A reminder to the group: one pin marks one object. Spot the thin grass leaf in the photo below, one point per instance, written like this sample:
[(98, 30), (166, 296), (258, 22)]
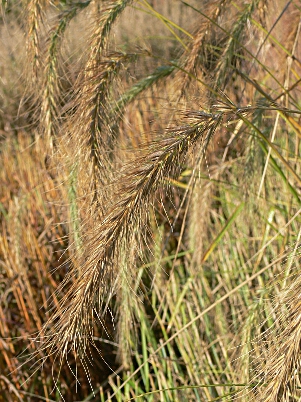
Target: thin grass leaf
[(145, 83), (222, 233)]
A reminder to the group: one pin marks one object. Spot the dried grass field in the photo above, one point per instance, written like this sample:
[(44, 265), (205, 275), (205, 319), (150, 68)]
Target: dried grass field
[(150, 200)]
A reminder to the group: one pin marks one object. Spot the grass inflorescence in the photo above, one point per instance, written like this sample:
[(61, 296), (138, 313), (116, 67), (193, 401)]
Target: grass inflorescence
[(150, 200)]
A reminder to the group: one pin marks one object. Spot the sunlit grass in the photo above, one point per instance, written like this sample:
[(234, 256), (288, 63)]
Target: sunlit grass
[(150, 201)]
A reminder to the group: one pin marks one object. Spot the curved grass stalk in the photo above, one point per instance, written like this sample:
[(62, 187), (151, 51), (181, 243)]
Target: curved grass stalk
[(165, 19), (234, 40), (168, 23), (110, 11), (73, 328), (51, 98), (89, 132), (239, 43), (213, 11), (90, 117), (145, 83), (35, 10)]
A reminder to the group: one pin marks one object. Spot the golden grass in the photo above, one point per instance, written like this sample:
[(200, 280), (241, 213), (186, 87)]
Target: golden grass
[(150, 201)]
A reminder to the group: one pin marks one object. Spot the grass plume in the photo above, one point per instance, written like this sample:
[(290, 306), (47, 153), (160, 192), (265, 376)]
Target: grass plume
[(136, 187), (148, 200)]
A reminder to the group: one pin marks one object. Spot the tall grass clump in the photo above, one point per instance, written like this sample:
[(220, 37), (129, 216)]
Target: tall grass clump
[(150, 200)]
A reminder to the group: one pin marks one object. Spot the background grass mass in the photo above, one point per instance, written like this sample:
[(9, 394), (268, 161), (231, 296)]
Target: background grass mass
[(150, 202)]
